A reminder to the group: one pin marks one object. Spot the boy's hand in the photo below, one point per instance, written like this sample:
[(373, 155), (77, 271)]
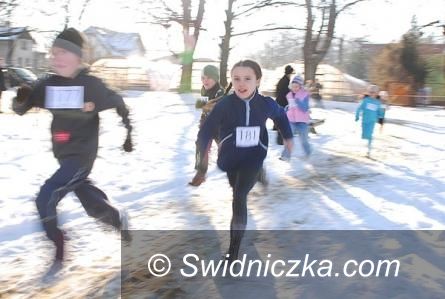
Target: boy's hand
[(88, 107), (23, 93), (209, 106)]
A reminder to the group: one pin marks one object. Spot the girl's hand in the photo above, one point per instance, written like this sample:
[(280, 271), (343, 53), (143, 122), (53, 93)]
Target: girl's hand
[(289, 144)]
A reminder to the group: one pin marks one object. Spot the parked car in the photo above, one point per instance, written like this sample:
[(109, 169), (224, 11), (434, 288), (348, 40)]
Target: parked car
[(15, 76)]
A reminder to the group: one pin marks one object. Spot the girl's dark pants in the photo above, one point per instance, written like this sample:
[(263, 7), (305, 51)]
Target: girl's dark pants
[(241, 181), (73, 176)]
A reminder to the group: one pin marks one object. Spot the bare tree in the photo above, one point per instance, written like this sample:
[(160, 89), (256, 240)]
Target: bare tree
[(247, 9), (317, 43), (68, 13), (279, 50), (82, 11), (190, 29), (7, 8), (165, 13)]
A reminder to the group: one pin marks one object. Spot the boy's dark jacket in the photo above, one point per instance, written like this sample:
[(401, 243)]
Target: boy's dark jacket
[(282, 90), (75, 132), (230, 113)]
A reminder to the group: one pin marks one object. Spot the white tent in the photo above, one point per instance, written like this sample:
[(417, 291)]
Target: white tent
[(335, 82)]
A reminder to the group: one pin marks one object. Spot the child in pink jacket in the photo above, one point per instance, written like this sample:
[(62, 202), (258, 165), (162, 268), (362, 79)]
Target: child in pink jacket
[(298, 115)]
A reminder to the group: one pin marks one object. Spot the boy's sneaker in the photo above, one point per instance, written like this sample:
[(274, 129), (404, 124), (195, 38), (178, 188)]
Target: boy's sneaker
[(59, 242), (283, 158), (125, 233), (197, 180)]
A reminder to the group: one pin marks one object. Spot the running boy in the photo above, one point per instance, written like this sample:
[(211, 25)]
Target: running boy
[(74, 98), (213, 91)]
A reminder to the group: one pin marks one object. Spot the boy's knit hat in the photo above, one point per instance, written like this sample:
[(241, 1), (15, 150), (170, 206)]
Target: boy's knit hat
[(297, 79), (71, 40), (211, 71), (288, 70)]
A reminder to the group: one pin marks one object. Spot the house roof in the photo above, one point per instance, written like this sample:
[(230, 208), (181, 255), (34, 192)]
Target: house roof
[(117, 43), (13, 33)]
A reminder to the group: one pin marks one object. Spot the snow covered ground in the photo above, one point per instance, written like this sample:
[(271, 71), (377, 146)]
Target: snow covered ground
[(402, 187)]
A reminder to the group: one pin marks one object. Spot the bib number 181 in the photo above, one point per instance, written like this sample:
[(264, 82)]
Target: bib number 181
[(247, 136)]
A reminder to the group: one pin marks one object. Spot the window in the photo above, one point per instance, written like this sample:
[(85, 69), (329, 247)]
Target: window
[(20, 61), (24, 45)]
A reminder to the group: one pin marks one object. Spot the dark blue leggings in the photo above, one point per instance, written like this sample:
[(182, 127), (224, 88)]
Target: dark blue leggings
[(73, 176), (241, 181)]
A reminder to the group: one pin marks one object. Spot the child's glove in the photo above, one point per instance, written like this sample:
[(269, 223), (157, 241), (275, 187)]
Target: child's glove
[(208, 106), (23, 93), (200, 103)]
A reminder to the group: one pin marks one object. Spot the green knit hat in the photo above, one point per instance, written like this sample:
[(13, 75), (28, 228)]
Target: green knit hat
[(211, 71)]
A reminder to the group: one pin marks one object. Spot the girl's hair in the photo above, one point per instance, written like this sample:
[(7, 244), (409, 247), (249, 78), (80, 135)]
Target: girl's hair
[(252, 64)]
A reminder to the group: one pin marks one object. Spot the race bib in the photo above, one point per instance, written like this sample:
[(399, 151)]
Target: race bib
[(247, 136), (64, 97), (371, 106)]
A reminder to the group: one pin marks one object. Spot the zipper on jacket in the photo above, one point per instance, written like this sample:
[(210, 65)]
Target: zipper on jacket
[(225, 138), (247, 102)]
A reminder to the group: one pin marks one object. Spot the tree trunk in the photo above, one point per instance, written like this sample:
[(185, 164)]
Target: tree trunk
[(308, 47), (225, 45), (186, 78), (316, 46), (189, 42)]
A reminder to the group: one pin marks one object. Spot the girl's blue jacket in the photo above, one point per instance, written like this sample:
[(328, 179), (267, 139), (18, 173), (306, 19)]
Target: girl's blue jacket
[(232, 112)]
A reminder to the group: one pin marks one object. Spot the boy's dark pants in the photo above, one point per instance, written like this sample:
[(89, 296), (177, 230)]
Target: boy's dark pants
[(72, 176)]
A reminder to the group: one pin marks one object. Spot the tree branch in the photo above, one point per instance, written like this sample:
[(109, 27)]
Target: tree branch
[(267, 3), (268, 29), (346, 6)]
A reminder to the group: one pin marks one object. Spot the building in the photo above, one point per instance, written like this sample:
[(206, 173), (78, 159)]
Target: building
[(105, 43), (16, 46)]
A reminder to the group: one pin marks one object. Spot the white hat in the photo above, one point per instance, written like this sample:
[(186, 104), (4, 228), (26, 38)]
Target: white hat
[(383, 94), (372, 89)]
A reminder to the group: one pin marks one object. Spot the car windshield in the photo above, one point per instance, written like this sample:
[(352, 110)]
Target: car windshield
[(24, 73)]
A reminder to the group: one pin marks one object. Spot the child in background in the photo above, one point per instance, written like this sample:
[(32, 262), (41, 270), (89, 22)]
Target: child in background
[(370, 110), (298, 115), (282, 89), (214, 92)]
